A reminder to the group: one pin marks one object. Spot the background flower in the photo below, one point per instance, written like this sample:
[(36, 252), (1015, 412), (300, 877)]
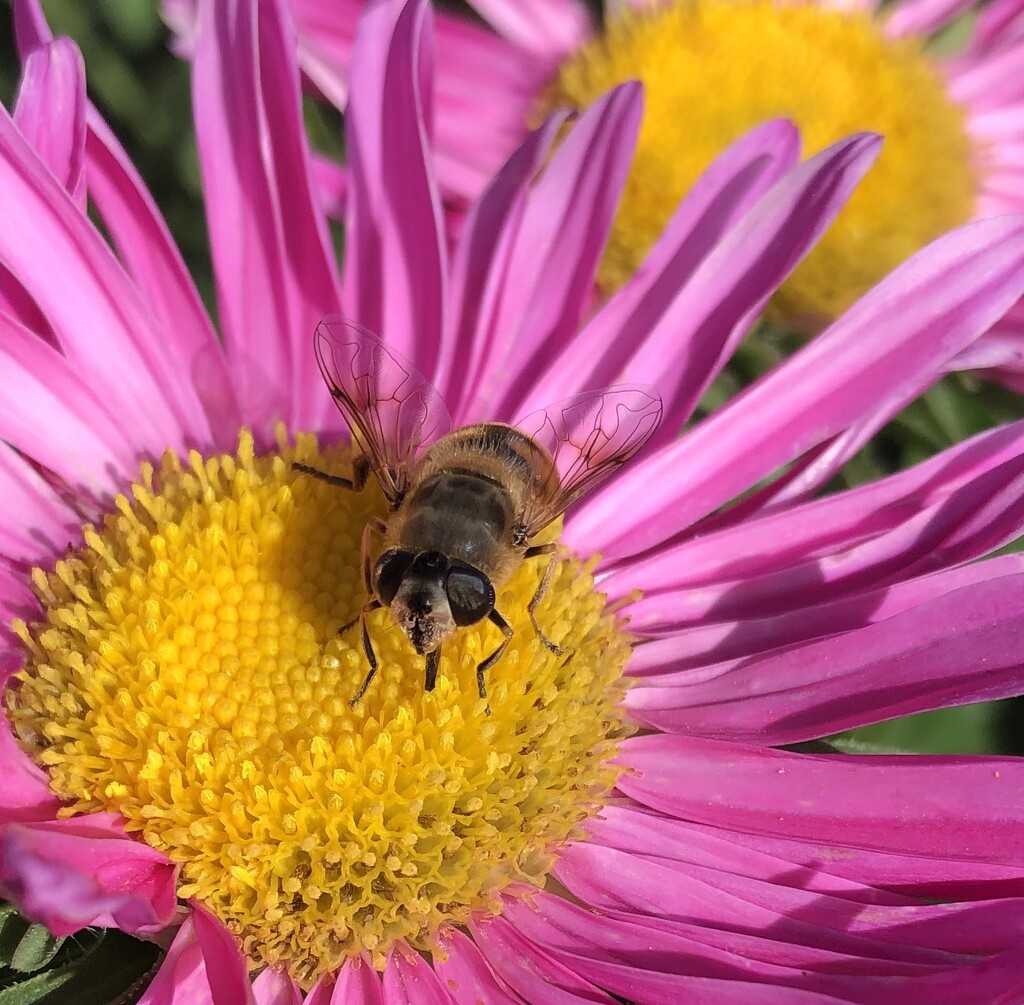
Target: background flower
[(779, 619)]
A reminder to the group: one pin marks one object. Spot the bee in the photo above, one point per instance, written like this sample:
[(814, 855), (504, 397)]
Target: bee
[(466, 505)]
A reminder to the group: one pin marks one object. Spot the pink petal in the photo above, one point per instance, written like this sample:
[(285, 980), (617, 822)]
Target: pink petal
[(765, 544), (410, 980), (898, 334), (275, 987), (95, 312), (67, 874), (271, 253), (395, 263), (963, 647), (41, 392), (858, 874), (469, 978), (687, 347), (480, 267), (37, 523), (956, 807), (356, 983), (711, 640), (50, 112), (549, 28), (202, 967), (537, 977), (922, 17), (557, 248), (25, 794)]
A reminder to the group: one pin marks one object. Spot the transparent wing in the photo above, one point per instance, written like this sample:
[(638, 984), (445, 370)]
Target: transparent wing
[(589, 437), (391, 408)]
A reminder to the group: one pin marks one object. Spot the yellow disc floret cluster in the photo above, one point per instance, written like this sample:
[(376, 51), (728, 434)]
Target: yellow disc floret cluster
[(189, 675), (713, 69)]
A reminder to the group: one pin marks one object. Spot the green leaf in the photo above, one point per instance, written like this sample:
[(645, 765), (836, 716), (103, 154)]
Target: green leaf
[(36, 948)]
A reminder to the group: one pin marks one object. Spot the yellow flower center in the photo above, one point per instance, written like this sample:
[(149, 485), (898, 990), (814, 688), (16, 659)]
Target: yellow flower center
[(189, 675), (713, 69)]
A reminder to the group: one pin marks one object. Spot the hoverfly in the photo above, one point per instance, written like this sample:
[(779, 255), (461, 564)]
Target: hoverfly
[(466, 504)]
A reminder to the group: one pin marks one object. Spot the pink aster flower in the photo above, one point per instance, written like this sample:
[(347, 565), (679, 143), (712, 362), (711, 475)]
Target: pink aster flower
[(951, 112), (179, 752)]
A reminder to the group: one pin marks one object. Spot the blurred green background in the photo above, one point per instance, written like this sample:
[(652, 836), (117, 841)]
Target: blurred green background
[(143, 91)]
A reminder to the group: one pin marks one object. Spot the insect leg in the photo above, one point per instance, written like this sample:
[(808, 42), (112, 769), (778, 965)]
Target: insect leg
[(360, 472), (371, 656), (495, 619), (542, 588), (433, 659)]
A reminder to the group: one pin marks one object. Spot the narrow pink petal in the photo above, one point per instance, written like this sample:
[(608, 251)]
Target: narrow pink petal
[(922, 17), (854, 874), (67, 874), (557, 248), (203, 967), (410, 980), (480, 267), (765, 544), (395, 263), (37, 523), (549, 28), (975, 520), (271, 253), (25, 794), (905, 329), (996, 22), (711, 640), (102, 324), (356, 983), (537, 977), (149, 254), (469, 978), (791, 953), (41, 392), (50, 112), (721, 196), (957, 807), (687, 348), (275, 987), (963, 647)]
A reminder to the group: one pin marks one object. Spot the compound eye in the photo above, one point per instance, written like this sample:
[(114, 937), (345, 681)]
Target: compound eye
[(389, 572), (470, 594)]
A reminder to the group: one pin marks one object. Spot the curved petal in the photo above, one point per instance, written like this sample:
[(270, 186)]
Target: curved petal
[(858, 874), (68, 874), (537, 977), (25, 794), (275, 987), (710, 641), (900, 333), (956, 807), (963, 647), (548, 28), (102, 325), (480, 266), (688, 346), (556, 250), (356, 983), (203, 967), (722, 195), (50, 112), (395, 262), (274, 269), (42, 391), (469, 978), (410, 980)]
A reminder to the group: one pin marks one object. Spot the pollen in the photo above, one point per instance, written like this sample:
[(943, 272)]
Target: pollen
[(713, 69), (188, 673)]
